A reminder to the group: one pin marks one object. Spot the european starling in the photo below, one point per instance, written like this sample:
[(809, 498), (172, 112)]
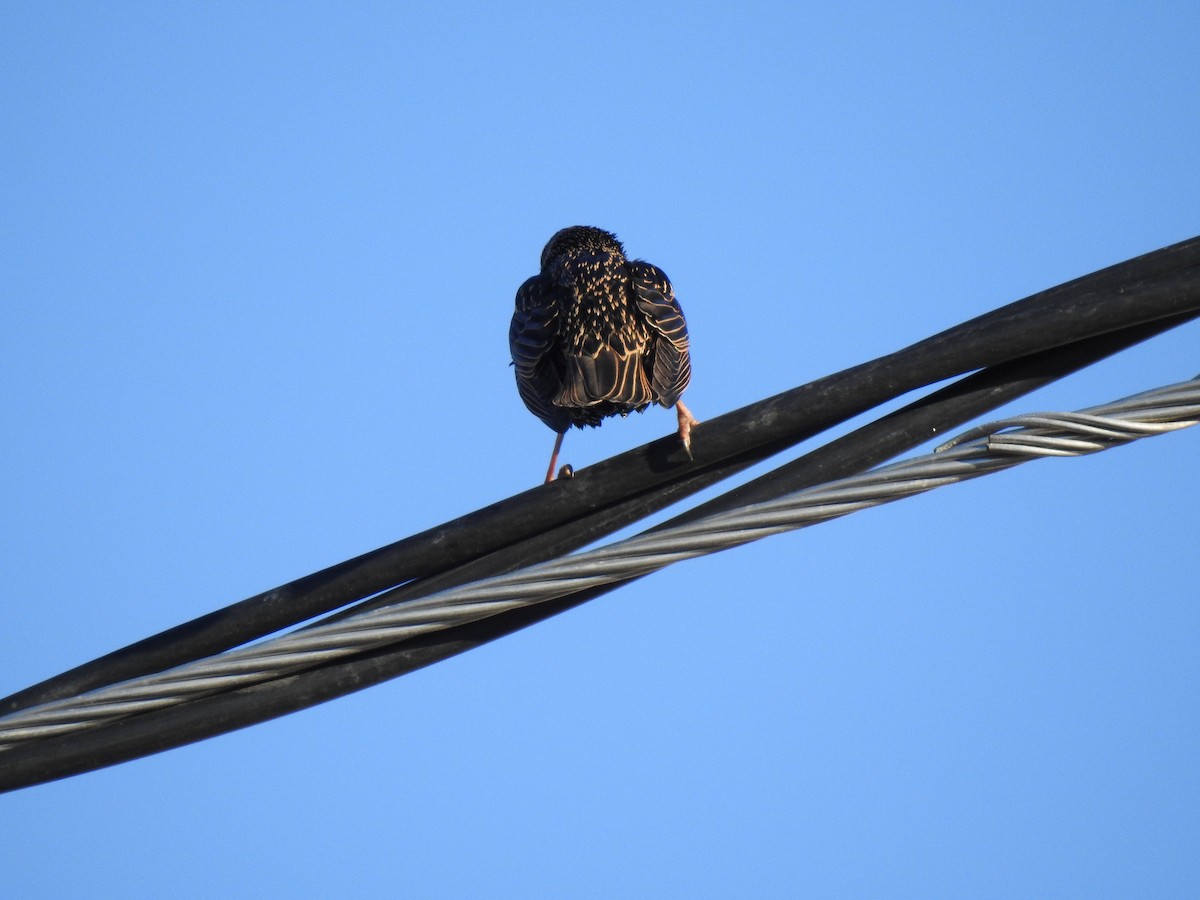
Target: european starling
[(597, 335)]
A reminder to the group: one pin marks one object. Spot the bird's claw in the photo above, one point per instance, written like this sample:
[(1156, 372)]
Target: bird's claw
[(686, 421)]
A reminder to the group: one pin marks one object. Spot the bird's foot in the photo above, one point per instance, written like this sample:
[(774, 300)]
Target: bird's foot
[(686, 421)]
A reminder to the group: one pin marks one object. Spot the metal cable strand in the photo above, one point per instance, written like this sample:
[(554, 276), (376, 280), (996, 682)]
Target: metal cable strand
[(980, 451)]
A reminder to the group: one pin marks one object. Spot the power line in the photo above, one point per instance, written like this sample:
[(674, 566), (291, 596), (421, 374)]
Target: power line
[(1107, 310), (980, 451), (1009, 353)]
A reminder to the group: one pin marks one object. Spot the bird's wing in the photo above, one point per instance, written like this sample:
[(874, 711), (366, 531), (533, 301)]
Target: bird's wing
[(532, 334), (672, 361)]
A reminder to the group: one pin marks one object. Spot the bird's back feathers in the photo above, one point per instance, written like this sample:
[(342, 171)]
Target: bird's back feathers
[(595, 335)]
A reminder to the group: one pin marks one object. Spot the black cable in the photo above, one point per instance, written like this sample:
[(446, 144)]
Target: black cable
[(868, 446), (650, 477), (1161, 284), (646, 471)]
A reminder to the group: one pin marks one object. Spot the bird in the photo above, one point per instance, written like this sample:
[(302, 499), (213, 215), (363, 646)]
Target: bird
[(595, 335)]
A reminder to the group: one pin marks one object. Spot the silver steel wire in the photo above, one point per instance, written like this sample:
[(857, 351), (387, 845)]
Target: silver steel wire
[(979, 451)]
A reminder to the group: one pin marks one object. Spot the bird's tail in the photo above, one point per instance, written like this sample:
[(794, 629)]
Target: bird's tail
[(604, 377)]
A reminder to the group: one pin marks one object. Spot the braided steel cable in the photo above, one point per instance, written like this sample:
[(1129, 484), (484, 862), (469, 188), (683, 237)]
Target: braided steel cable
[(982, 450)]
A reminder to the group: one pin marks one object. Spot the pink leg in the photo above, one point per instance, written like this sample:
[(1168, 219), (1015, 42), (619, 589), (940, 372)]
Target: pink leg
[(554, 457)]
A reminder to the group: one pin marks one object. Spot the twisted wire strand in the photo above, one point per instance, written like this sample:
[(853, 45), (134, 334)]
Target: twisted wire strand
[(982, 450)]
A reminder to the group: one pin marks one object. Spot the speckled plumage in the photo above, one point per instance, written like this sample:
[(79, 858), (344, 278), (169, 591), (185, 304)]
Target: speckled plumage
[(596, 335)]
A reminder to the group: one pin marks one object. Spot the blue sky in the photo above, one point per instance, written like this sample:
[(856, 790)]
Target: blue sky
[(256, 269)]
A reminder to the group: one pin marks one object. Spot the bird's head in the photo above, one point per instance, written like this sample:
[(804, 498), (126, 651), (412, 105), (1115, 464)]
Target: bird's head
[(580, 237)]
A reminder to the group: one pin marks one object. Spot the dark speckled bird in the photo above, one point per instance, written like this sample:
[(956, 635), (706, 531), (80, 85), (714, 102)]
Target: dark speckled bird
[(597, 335)]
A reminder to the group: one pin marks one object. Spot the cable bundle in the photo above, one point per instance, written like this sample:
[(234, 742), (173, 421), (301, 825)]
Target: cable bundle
[(1010, 352)]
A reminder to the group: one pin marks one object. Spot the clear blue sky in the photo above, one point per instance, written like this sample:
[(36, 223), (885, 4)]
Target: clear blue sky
[(257, 263)]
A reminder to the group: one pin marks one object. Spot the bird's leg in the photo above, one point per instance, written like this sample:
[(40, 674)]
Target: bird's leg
[(554, 457), (686, 421)]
